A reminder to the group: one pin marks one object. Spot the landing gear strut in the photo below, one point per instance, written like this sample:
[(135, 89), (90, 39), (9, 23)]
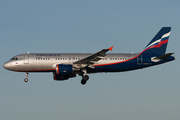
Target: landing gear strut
[(26, 79)]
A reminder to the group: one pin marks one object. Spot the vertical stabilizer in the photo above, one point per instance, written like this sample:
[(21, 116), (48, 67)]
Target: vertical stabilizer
[(158, 44)]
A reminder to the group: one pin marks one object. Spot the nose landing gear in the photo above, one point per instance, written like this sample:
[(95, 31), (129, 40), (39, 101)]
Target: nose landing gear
[(26, 79)]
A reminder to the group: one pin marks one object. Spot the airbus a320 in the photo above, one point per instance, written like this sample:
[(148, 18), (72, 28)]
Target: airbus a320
[(65, 66)]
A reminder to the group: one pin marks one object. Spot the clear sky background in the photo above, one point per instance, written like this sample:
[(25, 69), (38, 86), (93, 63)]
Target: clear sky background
[(81, 26)]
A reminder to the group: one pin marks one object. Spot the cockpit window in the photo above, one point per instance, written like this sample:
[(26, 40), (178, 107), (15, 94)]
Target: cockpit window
[(13, 59)]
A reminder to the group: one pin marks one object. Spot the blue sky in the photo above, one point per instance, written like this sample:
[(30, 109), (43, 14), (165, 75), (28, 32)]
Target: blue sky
[(69, 26)]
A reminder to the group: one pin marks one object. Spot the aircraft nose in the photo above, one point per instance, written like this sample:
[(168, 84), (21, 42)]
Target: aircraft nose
[(6, 65)]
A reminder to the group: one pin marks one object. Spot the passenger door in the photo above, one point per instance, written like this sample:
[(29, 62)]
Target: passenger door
[(26, 59)]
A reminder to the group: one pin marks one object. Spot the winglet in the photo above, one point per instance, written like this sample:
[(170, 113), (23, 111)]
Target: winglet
[(111, 48)]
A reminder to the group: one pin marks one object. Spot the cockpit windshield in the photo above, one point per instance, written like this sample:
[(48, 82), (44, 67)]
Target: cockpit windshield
[(13, 59)]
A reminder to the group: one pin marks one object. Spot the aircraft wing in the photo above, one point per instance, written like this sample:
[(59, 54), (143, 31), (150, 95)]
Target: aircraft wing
[(92, 59)]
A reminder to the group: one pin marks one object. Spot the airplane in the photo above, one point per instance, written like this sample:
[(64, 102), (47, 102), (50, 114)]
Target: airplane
[(65, 66)]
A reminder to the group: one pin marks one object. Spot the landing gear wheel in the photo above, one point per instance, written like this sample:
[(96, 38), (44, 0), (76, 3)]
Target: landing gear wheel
[(25, 80), (85, 79), (83, 82)]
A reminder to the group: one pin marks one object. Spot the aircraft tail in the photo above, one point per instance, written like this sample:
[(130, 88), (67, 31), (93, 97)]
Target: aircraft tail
[(158, 44)]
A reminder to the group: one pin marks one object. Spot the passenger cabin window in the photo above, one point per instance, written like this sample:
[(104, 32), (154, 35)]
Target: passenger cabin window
[(39, 58)]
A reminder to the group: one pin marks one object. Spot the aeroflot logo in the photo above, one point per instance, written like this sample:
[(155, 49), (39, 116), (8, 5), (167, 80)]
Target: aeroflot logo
[(47, 54)]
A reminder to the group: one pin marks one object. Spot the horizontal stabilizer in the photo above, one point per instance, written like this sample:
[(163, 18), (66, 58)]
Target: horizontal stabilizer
[(164, 56)]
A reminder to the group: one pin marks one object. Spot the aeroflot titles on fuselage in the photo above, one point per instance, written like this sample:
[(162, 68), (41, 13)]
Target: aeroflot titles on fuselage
[(47, 54)]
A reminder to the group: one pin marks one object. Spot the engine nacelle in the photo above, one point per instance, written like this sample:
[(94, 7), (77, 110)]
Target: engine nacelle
[(63, 69), (63, 77), (64, 72)]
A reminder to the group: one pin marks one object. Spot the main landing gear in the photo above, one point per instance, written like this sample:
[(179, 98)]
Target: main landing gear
[(26, 79), (85, 77)]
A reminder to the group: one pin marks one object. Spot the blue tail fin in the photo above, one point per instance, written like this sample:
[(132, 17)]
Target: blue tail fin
[(158, 44)]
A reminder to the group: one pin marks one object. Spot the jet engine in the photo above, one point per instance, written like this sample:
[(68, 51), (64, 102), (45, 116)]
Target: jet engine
[(63, 72)]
